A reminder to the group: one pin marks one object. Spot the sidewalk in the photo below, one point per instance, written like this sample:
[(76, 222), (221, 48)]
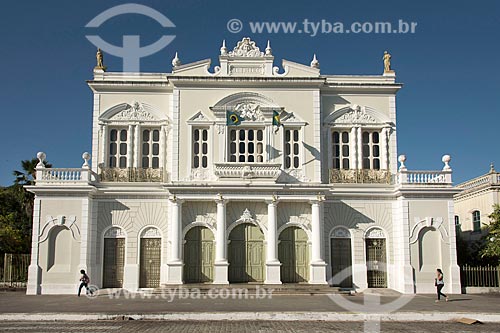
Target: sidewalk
[(18, 306)]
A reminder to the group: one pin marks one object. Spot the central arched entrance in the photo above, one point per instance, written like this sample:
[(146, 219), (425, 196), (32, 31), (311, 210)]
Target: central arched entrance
[(246, 254), (293, 253), (199, 255)]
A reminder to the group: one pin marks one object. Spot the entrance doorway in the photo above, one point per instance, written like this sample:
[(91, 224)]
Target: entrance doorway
[(199, 255), (293, 253), (246, 254)]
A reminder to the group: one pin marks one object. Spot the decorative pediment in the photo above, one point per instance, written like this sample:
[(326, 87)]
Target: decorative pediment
[(291, 118), (198, 117), (249, 111), (356, 114), (246, 48), (135, 111), (251, 106)]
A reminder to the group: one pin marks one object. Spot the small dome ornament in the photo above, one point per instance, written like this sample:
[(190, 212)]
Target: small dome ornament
[(315, 62), (269, 51), (446, 160), (176, 62), (223, 49)]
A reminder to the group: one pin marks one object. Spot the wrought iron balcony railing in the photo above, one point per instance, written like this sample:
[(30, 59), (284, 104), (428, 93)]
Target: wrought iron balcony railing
[(133, 175), (362, 176)]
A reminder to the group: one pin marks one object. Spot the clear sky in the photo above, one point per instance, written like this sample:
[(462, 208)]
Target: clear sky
[(449, 67)]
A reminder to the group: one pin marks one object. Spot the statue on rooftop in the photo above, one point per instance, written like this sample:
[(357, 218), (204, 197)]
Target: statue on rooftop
[(100, 60), (387, 62)]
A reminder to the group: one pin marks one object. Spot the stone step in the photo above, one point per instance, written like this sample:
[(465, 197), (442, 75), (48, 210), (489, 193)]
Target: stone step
[(250, 288)]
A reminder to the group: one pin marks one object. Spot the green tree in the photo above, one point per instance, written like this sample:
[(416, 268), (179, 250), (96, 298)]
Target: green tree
[(491, 247)]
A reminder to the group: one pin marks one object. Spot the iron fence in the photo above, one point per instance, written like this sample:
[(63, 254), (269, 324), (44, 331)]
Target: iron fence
[(480, 276), (14, 269)]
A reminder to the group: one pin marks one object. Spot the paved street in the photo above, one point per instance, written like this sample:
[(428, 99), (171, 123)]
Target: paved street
[(18, 302), (234, 326)]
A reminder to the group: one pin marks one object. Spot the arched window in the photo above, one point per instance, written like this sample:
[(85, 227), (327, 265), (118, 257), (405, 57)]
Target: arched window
[(476, 221)]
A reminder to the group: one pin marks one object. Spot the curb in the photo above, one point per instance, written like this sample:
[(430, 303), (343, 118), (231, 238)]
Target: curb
[(266, 316)]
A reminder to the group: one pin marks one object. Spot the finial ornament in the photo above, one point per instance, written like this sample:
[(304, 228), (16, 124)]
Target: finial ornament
[(387, 62), (446, 160), (86, 157), (402, 160), (176, 61), (41, 158), (315, 62), (100, 60), (269, 51), (492, 168), (223, 49)]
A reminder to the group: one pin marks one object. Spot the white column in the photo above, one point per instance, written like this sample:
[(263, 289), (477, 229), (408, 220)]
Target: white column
[(353, 153), (104, 145), (34, 271), (318, 265), (384, 150), (359, 148), (272, 263), (163, 154), (137, 145), (130, 148), (175, 261), (454, 286), (221, 265)]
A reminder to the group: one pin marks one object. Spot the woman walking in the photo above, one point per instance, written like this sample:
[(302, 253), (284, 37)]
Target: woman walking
[(439, 283)]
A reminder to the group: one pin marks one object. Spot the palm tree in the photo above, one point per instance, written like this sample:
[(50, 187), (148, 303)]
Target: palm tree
[(28, 175)]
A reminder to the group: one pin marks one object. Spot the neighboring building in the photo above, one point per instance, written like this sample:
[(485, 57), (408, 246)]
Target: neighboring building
[(475, 203), (192, 181)]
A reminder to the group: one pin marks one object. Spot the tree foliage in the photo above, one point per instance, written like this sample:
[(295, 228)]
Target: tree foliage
[(16, 210), (491, 247)]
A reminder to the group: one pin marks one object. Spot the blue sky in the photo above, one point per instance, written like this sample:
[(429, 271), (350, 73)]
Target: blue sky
[(449, 67)]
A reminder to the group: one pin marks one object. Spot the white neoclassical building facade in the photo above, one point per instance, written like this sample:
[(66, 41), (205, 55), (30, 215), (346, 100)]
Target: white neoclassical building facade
[(244, 173)]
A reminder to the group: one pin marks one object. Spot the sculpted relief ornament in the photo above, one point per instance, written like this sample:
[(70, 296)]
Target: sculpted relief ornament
[(246, 48), (356, 114), (249, 111), (134, 112)]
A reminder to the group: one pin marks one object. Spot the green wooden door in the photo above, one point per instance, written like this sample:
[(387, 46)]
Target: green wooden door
[(114, 260), (293, 253), (199, 255), (341, 262), (150, 263), (246, 254)]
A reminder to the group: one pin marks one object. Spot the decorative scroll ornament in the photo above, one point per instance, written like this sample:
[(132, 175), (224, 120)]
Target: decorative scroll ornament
[(151, 232), (114, 232), (375, 233), (357, 114), (249, 111), (134, 112), (435, 222), (68, 222), (246, 48)]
